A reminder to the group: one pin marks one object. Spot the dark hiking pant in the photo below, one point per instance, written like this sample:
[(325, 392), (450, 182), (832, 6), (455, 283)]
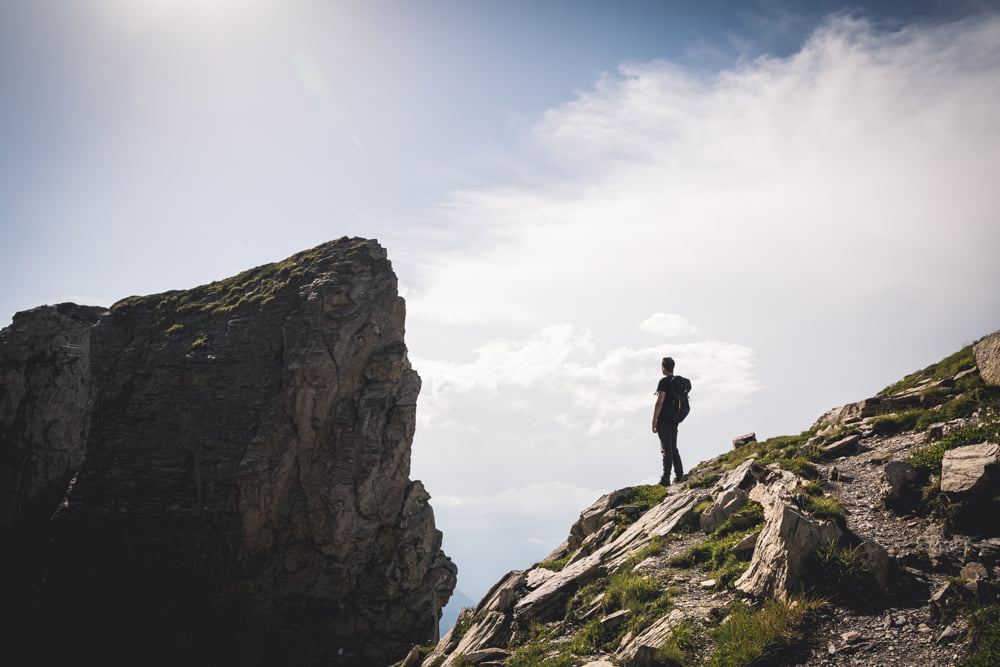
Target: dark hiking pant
[(668, 448)]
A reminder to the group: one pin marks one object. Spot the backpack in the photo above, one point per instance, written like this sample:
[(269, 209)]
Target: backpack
[(676, 407)]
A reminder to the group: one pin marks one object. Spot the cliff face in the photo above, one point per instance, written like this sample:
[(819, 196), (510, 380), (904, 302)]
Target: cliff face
[(221, 475), (870, 539)]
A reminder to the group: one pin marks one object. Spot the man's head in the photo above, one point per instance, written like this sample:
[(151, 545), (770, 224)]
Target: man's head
[(668, 365)]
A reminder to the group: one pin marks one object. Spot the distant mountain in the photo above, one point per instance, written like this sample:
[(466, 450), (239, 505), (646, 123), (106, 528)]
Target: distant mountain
[(870, 538), (449, 614)]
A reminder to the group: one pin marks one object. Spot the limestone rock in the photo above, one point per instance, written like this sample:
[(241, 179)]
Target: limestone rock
[(221, 469), (987, 353), (639, 651), (969, 469), (782, 551), (877, 562), (486, 654), (748, 543), (591, 519), (842, 446), (726, 504), (744, 440), (899, 490)]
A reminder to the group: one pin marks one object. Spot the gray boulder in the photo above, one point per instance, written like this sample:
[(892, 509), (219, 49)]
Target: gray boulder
[(987, 353), (727, 503), (969, 469), (899, 489)]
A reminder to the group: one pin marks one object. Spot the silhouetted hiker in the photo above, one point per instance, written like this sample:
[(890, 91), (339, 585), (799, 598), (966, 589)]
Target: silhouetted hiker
[(671, 408)]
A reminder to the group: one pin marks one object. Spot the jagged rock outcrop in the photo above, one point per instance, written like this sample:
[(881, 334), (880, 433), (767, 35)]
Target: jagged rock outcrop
[(220, 475)]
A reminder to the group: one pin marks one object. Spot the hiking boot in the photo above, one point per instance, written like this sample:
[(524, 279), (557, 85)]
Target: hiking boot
[(665, 480), (680, 478)]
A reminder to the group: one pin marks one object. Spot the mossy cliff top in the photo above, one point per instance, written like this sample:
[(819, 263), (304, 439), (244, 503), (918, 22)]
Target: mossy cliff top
[(259, 286)]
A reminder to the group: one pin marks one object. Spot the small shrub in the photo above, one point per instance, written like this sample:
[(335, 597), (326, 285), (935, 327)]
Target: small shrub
[(984, 630), (840, 571)]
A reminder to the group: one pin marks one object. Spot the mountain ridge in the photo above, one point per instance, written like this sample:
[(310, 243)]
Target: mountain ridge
[(868, 539)]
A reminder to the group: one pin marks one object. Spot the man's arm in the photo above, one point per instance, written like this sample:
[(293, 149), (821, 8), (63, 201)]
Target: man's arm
[(660, 395)]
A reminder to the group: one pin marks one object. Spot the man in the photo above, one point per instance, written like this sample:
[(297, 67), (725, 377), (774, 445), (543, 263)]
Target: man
[(666, 416)]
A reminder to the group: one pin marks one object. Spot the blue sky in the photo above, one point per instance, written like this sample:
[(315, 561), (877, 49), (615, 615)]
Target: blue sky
[(796, 200)]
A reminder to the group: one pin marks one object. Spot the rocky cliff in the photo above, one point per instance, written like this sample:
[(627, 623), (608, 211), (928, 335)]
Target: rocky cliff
[(219, 475), (870, 539)]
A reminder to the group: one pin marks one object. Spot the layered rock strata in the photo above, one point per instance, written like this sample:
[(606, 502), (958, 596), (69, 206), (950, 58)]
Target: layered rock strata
[(221, 475)]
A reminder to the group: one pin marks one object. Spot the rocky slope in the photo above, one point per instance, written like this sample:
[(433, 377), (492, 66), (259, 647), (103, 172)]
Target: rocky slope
[(870, 539), (220, 475)]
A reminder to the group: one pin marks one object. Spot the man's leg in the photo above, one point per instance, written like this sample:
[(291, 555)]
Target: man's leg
[(668, 449), (678, 466)]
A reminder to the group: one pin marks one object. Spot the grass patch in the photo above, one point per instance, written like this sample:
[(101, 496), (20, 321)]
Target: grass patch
[(627, 589), (889, 425), (840, 572), (809, 489), (956, 516), (948, 367), (680, 648), (715, 556), (825, 507), (752, 511), (752, 636), (930, 457), (799, 465), (646, 496), (653, 548), (555, 565), (592, 638), (253, 288), (984, 630), (543, 654), (704, 481), (200, 341)]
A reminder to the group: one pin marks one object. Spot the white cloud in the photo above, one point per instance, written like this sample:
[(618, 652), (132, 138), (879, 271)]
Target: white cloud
[(817, 179), (558, 367), (668, 325)]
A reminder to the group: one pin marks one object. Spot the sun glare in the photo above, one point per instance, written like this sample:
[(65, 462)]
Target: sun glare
[(141, 14)]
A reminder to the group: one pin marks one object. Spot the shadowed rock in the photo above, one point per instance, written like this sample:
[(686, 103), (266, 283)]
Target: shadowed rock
[(221, 475)]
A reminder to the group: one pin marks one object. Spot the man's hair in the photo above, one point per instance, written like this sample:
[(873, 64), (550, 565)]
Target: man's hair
[(668, 363)]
